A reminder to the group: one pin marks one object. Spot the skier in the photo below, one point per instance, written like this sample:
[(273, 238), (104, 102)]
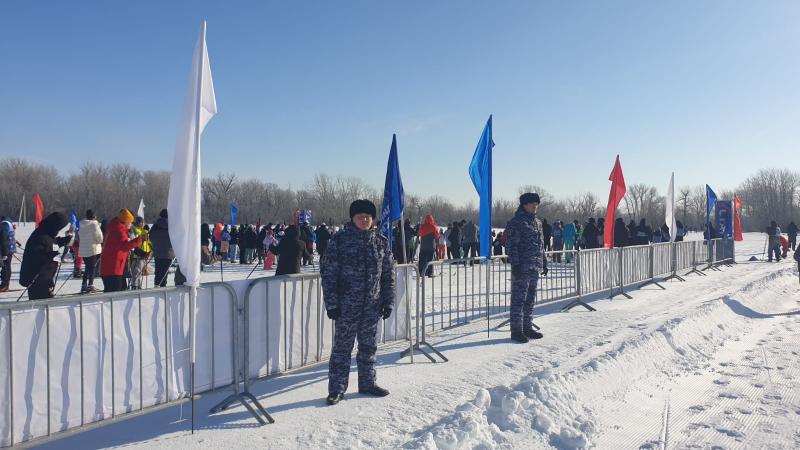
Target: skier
[(774, 241), (91, 247), (38, 267), (8, 247), (116, 246), (524, 248), (358, 282), (428, 235), (791, 230)]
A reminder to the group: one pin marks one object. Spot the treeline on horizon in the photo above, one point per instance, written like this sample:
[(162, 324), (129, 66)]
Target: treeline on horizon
[(769, 194)]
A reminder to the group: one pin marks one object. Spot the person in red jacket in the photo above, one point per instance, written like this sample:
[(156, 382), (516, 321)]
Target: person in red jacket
[(116, 247), (428, 235)]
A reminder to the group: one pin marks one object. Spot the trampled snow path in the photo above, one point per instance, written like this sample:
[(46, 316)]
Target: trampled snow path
[(708, 363)]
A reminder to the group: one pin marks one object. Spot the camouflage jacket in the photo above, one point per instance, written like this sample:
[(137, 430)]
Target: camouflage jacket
[(524, 242), (358, 266)]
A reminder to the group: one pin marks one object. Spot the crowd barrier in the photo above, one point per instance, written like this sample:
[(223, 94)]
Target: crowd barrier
[(71, 363)]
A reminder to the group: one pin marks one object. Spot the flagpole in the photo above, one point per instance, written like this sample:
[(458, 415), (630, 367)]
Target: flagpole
[(21, 208), (193, 288), (403, 238)]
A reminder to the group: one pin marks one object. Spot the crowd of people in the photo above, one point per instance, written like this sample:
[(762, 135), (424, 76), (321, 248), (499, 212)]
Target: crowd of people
[(357, 263), (122, 250)]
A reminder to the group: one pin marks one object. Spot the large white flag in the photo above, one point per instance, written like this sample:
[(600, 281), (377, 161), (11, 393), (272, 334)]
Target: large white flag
[(140, 212), (670, 213), (184, 184)]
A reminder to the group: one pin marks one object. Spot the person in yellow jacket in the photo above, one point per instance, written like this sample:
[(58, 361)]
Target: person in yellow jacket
[(140, 256)]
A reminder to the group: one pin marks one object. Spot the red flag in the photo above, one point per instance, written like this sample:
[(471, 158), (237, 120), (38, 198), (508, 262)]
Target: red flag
[(737, 219), (39, 209), (618, 190)]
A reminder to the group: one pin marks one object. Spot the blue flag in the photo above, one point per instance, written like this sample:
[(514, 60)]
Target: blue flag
[(711, 199), (480, 171), (73, 219), (234, 213), (394, 199)]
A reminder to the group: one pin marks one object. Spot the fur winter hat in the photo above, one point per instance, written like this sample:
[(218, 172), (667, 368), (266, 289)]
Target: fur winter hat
[(529, 197), (363, 207)]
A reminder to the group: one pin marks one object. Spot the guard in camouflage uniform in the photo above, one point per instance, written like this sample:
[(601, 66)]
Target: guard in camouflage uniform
[(525, 253), (358, 286)]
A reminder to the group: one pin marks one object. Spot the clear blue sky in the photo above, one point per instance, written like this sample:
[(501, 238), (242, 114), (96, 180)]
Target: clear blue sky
[(708, 89)]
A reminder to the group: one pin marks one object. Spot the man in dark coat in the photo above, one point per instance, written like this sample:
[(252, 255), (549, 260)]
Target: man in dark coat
[(643, 233), (454, 241), (358, 283), (163, 252), (524, 249), (38, 268), (791, 230), (620, 233), (323, 236), (547, 232), (289, 251), (590, 234)]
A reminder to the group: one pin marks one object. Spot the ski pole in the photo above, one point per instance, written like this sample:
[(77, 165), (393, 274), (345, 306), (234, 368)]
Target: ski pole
[(26, 288), (167, 272), (254, 269)]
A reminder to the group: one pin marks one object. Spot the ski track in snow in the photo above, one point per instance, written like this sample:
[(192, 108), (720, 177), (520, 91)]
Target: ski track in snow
[(709, 363)]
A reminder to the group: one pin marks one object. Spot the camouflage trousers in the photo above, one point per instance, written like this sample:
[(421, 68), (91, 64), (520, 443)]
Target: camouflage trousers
[(357, 321), (523, 297)]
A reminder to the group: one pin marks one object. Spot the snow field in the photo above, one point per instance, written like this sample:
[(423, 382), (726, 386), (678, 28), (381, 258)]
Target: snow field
[(706, 363)]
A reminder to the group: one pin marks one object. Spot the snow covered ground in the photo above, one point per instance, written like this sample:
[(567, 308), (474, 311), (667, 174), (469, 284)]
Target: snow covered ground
[(709, 363)]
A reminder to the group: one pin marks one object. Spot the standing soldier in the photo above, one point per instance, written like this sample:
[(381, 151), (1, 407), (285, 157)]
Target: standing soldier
[(524, 249), (358, 285)]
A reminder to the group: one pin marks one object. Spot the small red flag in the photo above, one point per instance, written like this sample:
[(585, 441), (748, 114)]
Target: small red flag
[(737, 219), (618, 190), (39, 209)]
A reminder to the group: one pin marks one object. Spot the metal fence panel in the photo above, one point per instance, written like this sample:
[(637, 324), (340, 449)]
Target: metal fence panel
[(663, 256), (684, 254), (636, 264), (68, 362)]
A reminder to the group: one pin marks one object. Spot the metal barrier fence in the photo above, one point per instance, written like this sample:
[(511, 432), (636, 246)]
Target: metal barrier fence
[(71, 362), (286, 326)]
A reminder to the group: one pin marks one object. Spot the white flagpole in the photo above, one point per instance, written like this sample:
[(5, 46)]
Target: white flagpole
[(21, 209), (193, 289)]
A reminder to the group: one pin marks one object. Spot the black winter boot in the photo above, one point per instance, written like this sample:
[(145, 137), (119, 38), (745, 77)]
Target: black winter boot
[(519, 337), (374, 390), (334, 398), (530, 333)]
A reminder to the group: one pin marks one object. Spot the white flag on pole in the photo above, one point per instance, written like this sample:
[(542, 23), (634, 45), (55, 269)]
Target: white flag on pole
[(140, 212), (670, 213), (183, 204)]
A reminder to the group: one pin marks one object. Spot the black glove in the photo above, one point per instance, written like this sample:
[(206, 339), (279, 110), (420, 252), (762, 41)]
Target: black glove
[(386, 312), (544, 271), (334, 313)]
